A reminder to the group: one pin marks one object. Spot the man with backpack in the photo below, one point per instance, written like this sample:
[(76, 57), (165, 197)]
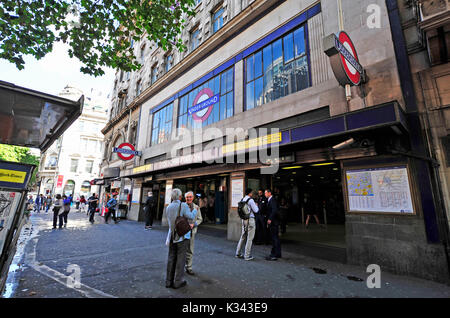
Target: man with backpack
[(246, 210)]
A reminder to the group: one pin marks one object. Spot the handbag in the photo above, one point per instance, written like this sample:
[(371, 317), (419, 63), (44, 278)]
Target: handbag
[(182, 226)]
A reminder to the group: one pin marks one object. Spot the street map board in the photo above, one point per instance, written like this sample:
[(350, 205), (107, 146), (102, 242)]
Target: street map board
[(385, 190)]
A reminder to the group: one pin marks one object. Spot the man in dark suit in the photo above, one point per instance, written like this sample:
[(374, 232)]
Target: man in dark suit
[(261, 235), (273, 220), (149, 210)]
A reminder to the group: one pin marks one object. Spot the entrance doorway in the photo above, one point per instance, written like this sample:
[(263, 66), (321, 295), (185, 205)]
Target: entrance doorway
[(311, 193), (159, 192), (210, 194)]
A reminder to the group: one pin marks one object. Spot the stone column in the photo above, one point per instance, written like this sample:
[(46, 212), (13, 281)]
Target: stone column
[(239, 87), (169, 185), (235, 193)]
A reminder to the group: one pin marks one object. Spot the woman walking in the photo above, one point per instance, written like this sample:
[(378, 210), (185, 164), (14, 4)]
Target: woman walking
[(83, 204), (57, 208), (66, 210)]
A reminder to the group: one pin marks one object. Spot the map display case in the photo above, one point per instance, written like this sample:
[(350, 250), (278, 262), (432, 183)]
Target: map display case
[(379, 189)]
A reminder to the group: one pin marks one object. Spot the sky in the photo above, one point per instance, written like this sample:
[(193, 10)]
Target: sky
[(53, 72)]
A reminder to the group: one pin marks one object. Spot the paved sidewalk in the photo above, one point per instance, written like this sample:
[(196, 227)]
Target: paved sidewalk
[(124, 260)]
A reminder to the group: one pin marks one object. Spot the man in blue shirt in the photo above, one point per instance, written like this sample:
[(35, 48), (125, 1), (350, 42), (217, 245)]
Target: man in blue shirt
[(177, 245), (111, 205)]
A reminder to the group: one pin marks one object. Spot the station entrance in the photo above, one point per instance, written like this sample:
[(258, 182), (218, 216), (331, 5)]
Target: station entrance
[(307, 193), (210, 194)]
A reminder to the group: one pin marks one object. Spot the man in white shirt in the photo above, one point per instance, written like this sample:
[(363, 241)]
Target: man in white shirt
[(248, 228)]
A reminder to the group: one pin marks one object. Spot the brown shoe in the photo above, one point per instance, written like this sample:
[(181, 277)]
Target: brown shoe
[(190, 272)]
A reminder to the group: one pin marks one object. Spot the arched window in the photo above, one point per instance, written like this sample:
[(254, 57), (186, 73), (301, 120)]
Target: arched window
[(119, 140), (85, 188), (69, 188)]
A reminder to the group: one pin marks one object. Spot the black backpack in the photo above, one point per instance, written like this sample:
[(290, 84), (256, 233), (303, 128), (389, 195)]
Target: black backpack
[(244, 209)]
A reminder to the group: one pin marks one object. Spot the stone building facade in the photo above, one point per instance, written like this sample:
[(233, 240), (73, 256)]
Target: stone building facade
[(264, 67), (73, 161)]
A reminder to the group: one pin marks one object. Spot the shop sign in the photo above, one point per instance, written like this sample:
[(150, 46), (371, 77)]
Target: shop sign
[(59, 182), (126, 151), (14, 175), (254, 143), (344, 59), (111, 172), (203, 104), (237, 191), (141, 169)]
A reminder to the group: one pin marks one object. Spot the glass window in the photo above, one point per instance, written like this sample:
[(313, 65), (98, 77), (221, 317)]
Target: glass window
[(250, 68), (222, 85), (154, 75), (279, 69), (162, 125), (250, 94), (169, 62), (73, 165), (268, 78), (288, 47), (217, 20), (299, 42), (194, 39), (258, 64), (138, 88), (89, 165)]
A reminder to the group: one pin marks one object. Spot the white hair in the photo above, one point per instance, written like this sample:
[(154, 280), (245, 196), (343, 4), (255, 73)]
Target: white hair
[(189, 192), (176, 194)]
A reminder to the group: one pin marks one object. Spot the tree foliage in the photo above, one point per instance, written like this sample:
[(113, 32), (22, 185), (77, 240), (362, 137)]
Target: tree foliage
[(99, 32), (19, 154)]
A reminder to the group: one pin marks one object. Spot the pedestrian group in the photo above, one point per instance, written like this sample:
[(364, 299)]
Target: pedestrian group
[(260, 220)]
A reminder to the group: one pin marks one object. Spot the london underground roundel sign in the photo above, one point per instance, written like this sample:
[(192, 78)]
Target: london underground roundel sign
[(351, 71), (126, 151), (344, 59), (203, 104)]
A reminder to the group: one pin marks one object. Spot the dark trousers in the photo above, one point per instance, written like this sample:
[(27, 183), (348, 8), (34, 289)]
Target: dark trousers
[(63, 219), (110, 212), (203, 212), (276, 244), (211, 213), (175, 262), (55, 218), (149, 217), (91, 214), (261, 229)]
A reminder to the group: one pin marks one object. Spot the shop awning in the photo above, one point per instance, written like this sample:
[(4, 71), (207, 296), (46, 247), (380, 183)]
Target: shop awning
[(34, 119)]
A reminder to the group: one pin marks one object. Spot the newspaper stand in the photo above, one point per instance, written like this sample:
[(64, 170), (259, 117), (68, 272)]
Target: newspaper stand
[(14, 178)]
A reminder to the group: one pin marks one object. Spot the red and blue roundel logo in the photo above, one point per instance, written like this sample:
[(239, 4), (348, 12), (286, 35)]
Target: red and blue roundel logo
[(353, 74), (203, 104)]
